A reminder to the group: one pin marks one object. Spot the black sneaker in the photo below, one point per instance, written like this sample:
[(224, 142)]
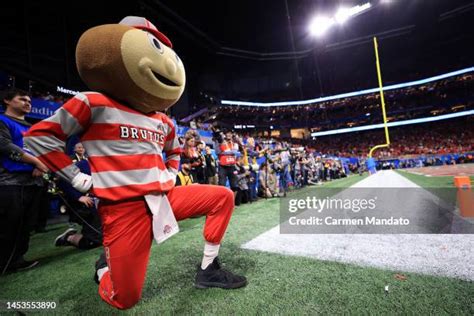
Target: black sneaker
[(215, 276), (99, 264), (22, 265), (61, 240)]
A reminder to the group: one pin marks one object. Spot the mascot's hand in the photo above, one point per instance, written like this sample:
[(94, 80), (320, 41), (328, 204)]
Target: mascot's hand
[(82, 182)]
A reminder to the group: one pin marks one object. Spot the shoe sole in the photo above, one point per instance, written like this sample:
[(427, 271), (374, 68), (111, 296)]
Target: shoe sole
[(63, 234), (206, 285), (32, 265)]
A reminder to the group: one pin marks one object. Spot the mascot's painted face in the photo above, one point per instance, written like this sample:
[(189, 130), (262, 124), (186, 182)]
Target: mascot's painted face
[(131, 65)]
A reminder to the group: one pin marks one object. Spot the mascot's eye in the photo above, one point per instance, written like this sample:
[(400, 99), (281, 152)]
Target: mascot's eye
[(156, 43)]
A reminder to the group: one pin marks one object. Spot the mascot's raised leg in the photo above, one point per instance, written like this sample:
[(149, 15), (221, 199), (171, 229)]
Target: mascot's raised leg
[(127, 248), (128, 237), (217, 204)]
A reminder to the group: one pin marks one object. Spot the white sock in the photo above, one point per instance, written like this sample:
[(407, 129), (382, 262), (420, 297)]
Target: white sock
[(210, 252), (101, 272)]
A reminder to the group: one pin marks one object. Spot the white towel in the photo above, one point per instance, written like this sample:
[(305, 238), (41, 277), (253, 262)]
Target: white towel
[(164, 222)]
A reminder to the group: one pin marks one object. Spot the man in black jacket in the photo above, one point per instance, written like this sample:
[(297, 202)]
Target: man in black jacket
[(83, 211), (211, 167)]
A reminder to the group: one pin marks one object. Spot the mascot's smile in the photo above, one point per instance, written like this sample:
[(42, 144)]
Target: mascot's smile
[(149, 70), (163, 80)]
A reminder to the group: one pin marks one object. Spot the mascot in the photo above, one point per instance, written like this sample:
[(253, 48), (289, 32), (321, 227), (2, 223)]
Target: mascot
[(135, 76)]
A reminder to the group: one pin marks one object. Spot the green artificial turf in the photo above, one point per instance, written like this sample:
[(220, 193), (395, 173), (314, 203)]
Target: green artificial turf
[(441, 186), (278, 284), (430, 182)]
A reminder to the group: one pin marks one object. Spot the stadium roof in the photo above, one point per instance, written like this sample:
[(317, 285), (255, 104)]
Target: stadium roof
[(244, 49)]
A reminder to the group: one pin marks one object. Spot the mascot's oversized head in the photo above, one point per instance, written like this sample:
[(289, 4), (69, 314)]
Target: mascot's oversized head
[(132, 62)]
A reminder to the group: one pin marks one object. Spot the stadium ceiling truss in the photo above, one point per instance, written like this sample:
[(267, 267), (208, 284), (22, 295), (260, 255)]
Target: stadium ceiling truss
[(192, 32)]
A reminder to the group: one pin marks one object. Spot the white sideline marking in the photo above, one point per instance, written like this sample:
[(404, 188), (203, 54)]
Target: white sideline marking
[(385, 179), (443, 255)]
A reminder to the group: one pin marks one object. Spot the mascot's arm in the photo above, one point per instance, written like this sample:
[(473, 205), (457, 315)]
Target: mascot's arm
[(172, 150), (47, 138)]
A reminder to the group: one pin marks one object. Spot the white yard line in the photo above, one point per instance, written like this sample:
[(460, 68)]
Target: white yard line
[(444, 255), (385, 179)]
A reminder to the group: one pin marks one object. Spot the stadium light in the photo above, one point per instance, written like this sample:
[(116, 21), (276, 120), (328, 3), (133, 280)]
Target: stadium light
[(359, 8), (319, 25), (342, 15)]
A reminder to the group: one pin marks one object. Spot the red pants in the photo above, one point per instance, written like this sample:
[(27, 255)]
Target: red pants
[(128, 235)]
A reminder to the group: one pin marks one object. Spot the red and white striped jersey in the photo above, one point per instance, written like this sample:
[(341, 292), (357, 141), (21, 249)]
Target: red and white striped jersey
[(124, 146)]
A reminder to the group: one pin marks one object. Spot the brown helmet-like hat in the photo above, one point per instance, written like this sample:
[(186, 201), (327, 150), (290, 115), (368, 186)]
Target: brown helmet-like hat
[(132, 62)]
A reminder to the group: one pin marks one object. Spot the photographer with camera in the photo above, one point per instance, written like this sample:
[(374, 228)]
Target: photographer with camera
[(211, 167), (253, 169), (243, 178), (267, 180), (226, 149), (282, 158)]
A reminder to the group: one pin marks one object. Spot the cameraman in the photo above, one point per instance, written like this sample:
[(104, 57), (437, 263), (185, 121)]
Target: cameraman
[(243, 177), (211, 165), (226, 149), (283, 159), (267, 181)]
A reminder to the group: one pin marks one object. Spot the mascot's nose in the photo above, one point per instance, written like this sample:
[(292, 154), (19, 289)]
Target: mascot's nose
[(170, 66)]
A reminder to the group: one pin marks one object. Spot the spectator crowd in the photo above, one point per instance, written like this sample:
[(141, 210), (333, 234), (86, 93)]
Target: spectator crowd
[(439, 97)]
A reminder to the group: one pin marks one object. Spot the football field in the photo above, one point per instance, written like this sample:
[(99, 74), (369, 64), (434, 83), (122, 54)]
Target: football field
[(279, 283)]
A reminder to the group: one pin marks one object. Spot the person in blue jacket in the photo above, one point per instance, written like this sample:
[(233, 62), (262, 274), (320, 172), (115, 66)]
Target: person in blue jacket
[(371, 165), (21, 183)]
